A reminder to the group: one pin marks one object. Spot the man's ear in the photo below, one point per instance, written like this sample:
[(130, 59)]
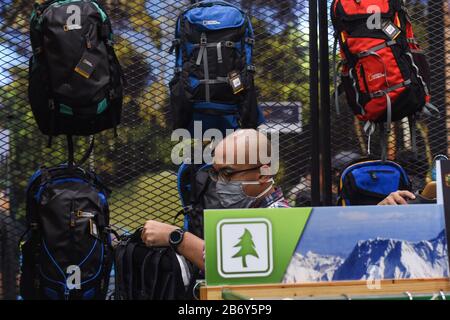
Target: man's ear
[(265, 170), (265, 174)]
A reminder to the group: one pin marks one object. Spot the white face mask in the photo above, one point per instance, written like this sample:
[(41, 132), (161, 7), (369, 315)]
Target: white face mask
[(231, 194)]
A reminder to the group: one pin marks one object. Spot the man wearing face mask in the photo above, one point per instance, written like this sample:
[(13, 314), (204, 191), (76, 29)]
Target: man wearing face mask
[(241, 181)]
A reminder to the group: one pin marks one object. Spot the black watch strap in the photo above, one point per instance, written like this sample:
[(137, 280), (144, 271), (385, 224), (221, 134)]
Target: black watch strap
[(179, 233)]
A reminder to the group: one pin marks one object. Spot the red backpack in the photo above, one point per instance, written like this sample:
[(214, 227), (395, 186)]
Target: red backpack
[(384, 72)]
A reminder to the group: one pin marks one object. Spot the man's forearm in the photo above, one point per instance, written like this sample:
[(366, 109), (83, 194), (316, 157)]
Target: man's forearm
[(192, 249)]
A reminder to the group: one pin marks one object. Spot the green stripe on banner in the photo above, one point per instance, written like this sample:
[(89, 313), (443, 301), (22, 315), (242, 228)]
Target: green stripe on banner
[(251, 246)]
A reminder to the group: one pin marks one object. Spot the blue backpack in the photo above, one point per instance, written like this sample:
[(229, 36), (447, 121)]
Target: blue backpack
[(367, 182), (68, 236), (214, 70), (197, 192)]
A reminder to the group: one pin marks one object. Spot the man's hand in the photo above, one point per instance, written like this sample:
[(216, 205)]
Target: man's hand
[(156, 234), (397, 198)]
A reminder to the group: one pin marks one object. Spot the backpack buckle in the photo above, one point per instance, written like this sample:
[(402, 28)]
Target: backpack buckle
[(250, 41), (37, 51), (378, 94), (203, 40), (175, 44), (71, 27), (251, 68), (229, 44)]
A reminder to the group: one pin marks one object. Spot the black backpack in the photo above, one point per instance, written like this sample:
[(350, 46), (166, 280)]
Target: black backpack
[(214, 71), (156, 273), (75, 79), (148, 273), (68, 221), (368, 182)]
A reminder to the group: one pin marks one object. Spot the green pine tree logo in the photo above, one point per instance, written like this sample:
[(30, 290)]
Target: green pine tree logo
[(247, 247)]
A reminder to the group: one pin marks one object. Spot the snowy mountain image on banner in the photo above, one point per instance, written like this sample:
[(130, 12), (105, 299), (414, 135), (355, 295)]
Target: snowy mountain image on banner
[(363, 243)]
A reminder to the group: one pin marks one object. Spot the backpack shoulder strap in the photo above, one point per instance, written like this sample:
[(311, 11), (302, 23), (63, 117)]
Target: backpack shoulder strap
[(128, 280), (119, 261), (201, 184), (175, 283), (154, 267)]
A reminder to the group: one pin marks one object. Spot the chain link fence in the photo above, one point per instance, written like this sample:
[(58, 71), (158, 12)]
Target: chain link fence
[(137, 165)]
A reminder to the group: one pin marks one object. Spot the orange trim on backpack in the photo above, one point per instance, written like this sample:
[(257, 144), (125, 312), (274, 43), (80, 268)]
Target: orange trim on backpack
[(334, 6), (397, 20)]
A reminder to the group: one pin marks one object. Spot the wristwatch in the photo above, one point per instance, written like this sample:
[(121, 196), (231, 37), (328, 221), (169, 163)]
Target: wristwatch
[(175, 238)]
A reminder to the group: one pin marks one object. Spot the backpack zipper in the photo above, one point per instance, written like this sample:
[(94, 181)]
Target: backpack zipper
[(72, 215), (84, 214), (363, 75), (87, 36)]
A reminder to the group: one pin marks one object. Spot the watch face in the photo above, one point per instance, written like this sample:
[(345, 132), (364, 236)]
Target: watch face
[(175, 237)]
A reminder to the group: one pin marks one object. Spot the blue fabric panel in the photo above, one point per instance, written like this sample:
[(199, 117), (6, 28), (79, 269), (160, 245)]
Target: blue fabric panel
[(216, 106), (33, 178), (378, 180), (221, 123), (189, 48), (249, 47), (186, 223), (179, 53), (376, 176), (102, 197), (89, 295), (180, 172), (239, 47), (179, 63), (216, 17), (193, 82)]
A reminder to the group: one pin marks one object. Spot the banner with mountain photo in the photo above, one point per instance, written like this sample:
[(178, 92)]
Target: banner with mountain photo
[(360, 243), (304, 245)]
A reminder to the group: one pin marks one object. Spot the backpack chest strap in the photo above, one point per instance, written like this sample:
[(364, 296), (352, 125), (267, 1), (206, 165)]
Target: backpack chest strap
[(373, 50)]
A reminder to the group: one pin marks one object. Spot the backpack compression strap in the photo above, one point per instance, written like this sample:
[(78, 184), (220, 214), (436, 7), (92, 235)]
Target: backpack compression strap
[(71, 153)]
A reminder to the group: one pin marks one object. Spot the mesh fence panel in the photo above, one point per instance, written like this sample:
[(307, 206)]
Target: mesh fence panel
[(137, 165)]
